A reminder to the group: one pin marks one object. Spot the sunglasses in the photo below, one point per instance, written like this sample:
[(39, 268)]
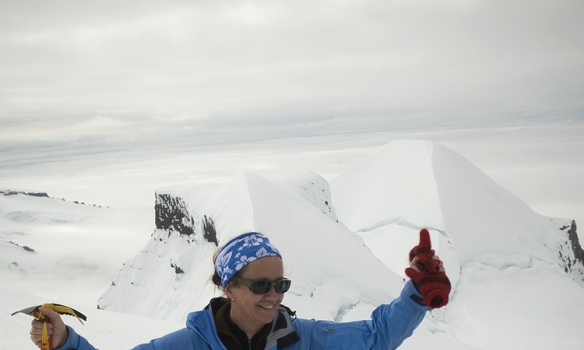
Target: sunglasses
[(263, 286)]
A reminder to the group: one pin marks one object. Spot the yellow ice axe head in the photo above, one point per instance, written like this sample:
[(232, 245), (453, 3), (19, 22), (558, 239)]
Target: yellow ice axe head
[(61, 309)]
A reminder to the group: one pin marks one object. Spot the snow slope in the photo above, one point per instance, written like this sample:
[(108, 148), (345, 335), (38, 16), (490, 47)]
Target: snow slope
[(148, 285), (501, 256), (513, 270), (52, 250)]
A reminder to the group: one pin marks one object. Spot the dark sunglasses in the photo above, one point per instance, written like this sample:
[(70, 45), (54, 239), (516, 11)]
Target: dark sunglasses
[(263, 286)]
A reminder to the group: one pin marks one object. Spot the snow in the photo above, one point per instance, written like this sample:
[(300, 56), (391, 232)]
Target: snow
[(252, 203), (391, 185), (344, 242)]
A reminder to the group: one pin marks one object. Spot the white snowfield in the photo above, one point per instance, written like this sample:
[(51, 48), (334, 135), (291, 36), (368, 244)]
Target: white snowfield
[(516, 281)]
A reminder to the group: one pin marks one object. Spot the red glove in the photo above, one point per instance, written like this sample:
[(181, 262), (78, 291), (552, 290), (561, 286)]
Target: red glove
[(432, 283)]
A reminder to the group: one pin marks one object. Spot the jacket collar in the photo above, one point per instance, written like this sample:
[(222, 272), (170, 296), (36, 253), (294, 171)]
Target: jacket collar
[(281, 335)]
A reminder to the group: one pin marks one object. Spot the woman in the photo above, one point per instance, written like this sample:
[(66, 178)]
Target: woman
[(249, 269)]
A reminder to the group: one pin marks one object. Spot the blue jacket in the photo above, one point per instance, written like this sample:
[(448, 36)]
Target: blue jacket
[(389, 326)]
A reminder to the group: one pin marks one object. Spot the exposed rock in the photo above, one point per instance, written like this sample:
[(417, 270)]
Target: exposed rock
[(209, 232), (26, 248), (176, 268), (576, 247), (571, 254), (172, 214), (33, 194)]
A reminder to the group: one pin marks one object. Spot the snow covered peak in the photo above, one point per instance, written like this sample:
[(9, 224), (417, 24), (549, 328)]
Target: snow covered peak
[(319, 253), (381, 203), (415, 184), (345, 249), (394, 185), (483, 218)]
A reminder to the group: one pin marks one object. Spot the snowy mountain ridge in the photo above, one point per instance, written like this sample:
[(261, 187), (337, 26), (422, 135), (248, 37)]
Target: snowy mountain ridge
[(9, 192), (474, 216), (517, 276), (249, 202)]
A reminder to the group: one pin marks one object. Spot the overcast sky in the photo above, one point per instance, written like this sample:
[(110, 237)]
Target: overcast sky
[(83, 79)]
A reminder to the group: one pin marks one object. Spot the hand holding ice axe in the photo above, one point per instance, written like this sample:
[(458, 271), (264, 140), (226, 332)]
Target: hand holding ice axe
[(48, 324)]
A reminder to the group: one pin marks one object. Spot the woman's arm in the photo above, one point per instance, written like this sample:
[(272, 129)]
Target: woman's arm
[(389, 326)]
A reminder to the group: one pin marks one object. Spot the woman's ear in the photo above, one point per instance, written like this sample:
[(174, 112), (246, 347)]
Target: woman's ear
[(229, 291)]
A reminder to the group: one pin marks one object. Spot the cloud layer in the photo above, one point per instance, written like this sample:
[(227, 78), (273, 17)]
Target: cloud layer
[(145, 60), (101, 85)]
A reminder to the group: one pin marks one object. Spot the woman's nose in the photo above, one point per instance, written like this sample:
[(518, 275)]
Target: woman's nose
[(271, 294)]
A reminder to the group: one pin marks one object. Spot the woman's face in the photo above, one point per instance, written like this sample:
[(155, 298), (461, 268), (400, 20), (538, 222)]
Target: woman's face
[(250, 311)]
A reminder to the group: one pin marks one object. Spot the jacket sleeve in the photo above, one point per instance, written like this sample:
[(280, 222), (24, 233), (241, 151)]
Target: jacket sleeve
[(183, 339), (76, 342), (389, 326), (395, 322)]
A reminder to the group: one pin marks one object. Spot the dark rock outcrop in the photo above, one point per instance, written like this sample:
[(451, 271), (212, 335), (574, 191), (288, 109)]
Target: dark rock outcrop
[(571, 254), (172, 215), (33, 194), (209, 232), (26, 248), (576, 247)]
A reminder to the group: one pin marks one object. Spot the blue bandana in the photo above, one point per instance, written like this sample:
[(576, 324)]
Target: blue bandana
[(240, 251)]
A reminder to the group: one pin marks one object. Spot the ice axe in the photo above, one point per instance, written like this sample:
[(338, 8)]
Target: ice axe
[(61, 309)]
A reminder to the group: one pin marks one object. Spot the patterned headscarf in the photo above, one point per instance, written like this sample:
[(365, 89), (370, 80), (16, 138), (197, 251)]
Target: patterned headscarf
[(240, 251)]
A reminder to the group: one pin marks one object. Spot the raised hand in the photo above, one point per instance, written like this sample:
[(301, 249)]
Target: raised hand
[(428, 274)]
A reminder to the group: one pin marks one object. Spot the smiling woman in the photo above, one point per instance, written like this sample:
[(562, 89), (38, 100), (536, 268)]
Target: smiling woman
[(250, 270)]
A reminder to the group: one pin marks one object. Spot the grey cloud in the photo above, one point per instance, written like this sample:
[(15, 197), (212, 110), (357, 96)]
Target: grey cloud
[(226, 73)]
